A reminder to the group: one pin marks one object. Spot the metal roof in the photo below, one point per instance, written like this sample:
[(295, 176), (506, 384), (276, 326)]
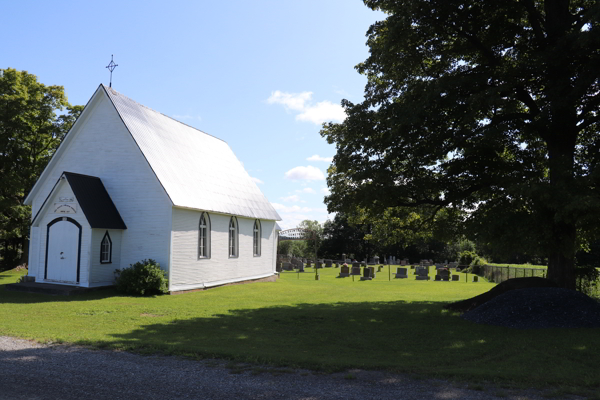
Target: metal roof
[(196, 169)]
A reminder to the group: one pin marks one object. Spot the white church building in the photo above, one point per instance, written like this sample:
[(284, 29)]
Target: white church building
[(129, 183)]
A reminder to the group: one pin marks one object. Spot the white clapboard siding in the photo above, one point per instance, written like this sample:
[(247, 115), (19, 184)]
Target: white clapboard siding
[(189, 272), (101, 146), (103, 274)]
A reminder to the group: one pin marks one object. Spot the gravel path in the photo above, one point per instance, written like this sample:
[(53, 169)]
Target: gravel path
[(32, 371)]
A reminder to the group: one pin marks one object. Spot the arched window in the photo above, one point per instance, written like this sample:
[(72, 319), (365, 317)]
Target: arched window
[(204, 236), (106, 249), (233, 237), (256, 241)]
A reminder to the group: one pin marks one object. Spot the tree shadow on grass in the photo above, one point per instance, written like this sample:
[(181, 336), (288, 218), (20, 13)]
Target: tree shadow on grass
[(400, 336)]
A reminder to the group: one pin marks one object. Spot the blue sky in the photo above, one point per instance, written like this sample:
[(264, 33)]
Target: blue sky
[(261, 75)]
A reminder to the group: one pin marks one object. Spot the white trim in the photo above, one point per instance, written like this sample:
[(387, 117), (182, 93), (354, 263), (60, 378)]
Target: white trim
[(176, 288)]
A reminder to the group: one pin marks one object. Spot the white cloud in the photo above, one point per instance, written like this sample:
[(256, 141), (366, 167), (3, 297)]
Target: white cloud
[(256, 180), (291, 199), (321, 112), (324, 111), (306, 190), (290, 209), (308, 173), (317, 157), (326, 191), (291, 101)]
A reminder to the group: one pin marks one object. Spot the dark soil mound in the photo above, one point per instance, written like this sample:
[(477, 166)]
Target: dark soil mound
[(511, 284), (538, 308)]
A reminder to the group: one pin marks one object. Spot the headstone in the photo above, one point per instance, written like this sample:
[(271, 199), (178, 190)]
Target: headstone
[(401, 273), (355, 269), (287, 266), (344, 257), (475, 278), (344, 271), (328, 263), (301, 268), (318, 264), (348, 261), (455, 277), (444, 274), (376, 259), (366, 275), (422, 273), (336, 264), (438, 277), (372, 269), (403, 262)]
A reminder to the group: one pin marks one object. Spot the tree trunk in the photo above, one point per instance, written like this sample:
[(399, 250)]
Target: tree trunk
[(561, 258)]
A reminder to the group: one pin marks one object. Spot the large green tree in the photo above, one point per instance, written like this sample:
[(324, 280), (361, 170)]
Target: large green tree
[(30, 131), (490, 107)]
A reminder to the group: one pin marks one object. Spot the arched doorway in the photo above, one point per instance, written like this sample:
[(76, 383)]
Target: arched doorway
[(63, 248)]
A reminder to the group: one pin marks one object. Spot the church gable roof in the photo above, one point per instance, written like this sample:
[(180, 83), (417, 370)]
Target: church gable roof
[(94, 200), (197, 170)]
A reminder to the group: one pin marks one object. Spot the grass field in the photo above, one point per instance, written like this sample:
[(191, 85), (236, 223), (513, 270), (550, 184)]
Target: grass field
[(332, 324)]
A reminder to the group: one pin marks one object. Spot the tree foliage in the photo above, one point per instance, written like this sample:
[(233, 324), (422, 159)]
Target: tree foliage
[(487, 108), (30, 132)]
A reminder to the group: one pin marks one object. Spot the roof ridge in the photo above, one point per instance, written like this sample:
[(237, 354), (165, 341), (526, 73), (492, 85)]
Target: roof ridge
[(114, 92)]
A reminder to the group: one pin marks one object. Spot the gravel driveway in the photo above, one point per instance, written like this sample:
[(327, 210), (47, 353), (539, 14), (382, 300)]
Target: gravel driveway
[(32, 371)]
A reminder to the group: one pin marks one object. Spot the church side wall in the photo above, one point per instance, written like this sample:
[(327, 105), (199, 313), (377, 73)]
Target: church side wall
[(189, 272), (103, 147)]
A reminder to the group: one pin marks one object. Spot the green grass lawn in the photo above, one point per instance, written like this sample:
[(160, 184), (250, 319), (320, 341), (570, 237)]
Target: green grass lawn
[(332, 324)]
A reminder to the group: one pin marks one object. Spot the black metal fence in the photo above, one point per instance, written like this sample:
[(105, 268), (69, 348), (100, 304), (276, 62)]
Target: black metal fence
[(497, 274)]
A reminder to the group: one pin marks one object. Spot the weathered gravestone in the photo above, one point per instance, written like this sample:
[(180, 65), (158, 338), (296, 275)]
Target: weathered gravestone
[(355, 269), (308, 263), (422, 273), (287, 266), (444, 274), (401, 273), (403, 262), (328, 263), (301, 267), (366, 275), (344, 271), (372, 269), (455, 277)]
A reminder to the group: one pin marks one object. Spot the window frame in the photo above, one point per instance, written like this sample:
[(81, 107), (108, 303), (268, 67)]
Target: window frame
[(102, 259), (256, 238), (233, 239), (206, 227)]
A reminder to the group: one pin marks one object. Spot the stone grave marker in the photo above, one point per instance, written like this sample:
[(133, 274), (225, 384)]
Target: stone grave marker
[(455, 278), (401, 273), (287, 266), (422, 273), (355, 269), (366, 275), (372, 271), (328, 263), (444, 274), (344, 271)]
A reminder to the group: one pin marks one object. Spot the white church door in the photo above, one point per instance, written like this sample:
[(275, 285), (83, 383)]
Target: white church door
[(62, 250)]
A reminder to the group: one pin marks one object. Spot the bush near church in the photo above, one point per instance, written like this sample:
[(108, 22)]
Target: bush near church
[(142, 278)]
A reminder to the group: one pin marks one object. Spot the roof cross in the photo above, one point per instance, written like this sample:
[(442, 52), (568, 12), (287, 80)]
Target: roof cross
[(111, 67)]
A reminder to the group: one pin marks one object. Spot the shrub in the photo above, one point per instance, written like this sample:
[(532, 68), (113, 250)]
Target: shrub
[(588, 280), (142, 278), (466, 257)]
